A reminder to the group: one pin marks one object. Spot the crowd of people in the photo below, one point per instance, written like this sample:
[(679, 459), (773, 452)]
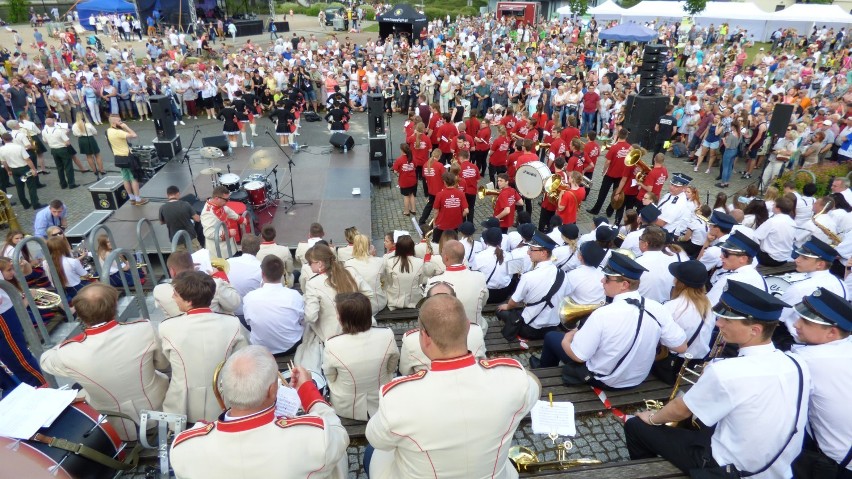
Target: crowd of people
[(670, 274)]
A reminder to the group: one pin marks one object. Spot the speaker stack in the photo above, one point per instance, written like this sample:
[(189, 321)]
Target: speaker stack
[(645, 108), (379, 171), (168, 141)]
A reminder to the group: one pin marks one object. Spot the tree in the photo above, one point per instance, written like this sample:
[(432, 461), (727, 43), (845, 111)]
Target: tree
[(578, 7), (694, 7), (18, 10)]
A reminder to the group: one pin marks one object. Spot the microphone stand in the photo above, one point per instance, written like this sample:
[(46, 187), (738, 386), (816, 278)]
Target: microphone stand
[(290, 200), (188, 163)]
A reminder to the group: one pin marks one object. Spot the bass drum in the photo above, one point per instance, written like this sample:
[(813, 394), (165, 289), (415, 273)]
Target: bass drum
[(78, 424), (530, 179)]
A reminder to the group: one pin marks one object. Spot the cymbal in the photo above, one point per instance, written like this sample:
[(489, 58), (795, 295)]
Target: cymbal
[(211, 152), (211, 171), (261, 159)]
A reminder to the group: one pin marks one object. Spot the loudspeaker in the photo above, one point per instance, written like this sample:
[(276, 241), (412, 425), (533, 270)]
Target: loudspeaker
[(339, 140), (161, 112), (642, 113), (379, 151), (168, 148), (219, 141), (377, 124), (781, 115), (375, 104), (652, 70)]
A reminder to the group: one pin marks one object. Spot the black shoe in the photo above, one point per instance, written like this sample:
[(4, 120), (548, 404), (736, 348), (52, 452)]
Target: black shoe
[(41, 185), (535, 363), (63, 187), (73, 186), (14, 203), (38, 206), (718, 177), (593, 212), (25, 205), (43, 172)]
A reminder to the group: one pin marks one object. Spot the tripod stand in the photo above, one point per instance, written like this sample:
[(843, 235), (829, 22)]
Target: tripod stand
[(289, 200), (186, 159)]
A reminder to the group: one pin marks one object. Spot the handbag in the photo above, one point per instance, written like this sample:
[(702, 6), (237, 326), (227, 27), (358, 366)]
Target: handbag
[(122, 161)]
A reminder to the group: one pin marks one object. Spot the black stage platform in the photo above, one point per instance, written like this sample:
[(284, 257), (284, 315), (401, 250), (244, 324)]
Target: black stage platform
[(323, 176)]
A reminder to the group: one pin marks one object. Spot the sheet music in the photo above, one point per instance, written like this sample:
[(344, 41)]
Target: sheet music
[(26, 409), (201, 259), (288, 402), (559, 418)]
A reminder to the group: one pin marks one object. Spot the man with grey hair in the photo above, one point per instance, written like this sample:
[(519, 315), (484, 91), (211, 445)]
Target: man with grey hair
[(430, 442), (311, 445)]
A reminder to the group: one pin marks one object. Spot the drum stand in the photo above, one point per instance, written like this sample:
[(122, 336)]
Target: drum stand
[(289, 200)]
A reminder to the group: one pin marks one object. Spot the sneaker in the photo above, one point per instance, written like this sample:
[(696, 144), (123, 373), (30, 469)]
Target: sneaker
[(175, 123), (694, 168), (535, 362), (182, 122), (143, 201), (523, 343)]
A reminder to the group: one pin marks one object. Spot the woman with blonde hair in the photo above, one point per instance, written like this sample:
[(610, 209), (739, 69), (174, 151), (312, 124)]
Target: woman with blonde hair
[(85, 133), (69, 269), (693, 312), (330, 279), (345, 252), (368, 266), (403, 275), (358, 362)]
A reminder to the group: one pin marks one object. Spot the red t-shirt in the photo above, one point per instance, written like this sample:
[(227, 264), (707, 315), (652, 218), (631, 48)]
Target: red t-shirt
[(434, 182), (524, 159), (406, 170), (507, 198), (569, 134), (499, 151), (450, 203), (540, 120), (631, 188), (590, 154), (512, 166), (510, 122), (616, 155), (558, 148), (471, 126), (447, 134), (482, 139), (471, 175), (574, 162), (590, 101), (420, 149), (523, 129), (656, 178), (435, 122), (409, 128), (571, 199)]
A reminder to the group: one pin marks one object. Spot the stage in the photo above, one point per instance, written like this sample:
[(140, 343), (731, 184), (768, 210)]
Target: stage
[(323, 176)]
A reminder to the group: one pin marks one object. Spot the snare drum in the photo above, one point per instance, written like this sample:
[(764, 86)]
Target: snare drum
[(239, 209), (530, 179), (78, 423), (230, 181), (776, 285), (316, 377), (256, 191)]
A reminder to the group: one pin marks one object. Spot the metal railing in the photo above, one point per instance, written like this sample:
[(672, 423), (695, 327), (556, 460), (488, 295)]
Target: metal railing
[(181, 235), (53, 274), (113, 258), (142, 249), (30, 334)]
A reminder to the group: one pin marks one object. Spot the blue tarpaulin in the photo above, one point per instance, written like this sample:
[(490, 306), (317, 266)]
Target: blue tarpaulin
[(96, 7), (628, 32)]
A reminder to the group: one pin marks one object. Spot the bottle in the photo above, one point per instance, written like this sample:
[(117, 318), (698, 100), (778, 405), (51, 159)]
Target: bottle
[(345, 148)]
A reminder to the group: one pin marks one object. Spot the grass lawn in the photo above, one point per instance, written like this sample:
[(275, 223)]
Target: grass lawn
[(374, 28)]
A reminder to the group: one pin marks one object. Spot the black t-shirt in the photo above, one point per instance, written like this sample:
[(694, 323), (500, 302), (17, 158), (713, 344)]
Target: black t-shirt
[(177, 215), (666, 125)]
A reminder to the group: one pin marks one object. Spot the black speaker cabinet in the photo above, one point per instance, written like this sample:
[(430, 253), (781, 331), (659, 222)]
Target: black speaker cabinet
[(168, 149), (781, 115), (219, 141), (642, 113), (379, 151), (161, 112), (377, 123), (375, 104), (340, 140)]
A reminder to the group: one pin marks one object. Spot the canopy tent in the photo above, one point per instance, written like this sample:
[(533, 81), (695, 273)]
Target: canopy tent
[(803, 17), (564, 11), (746, 15), (96, 7), (650, 10), (628, 32), (172, 11), (607, 11), (401, 19)]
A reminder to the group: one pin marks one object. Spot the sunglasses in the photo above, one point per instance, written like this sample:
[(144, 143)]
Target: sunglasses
[(726, 254)]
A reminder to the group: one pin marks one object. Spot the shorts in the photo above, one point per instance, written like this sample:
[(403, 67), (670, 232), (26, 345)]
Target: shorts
[(412, 190), (712, 146), (311, 95), (127, 174)]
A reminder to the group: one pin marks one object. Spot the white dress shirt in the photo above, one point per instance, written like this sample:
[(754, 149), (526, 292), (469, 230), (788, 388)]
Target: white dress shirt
[(533, 287), (276, 316), (687, 316), (496, 275), (676, 211), (657, 282), (744, 274), (244, 275), (776, 237), (583, 285)]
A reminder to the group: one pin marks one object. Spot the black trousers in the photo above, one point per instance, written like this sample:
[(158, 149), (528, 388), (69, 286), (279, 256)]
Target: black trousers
[(603, 193), (471, 203), (31, 184), (544, 218), (766, 260), (686, 449), (64, 166), (479, 159), (493, 171), (630, 202), (427, 210), (526, 331)]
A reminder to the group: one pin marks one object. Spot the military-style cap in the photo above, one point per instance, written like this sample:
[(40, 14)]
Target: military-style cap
[(491, 223), (681, 179), (621, 265), (592, 254), (649, 214), (541, 240), (526, 230), (605, 233), (571, 231), (724, 221), (817, 248), (739, 243), (826, 308), (741, 301), (691, 273)]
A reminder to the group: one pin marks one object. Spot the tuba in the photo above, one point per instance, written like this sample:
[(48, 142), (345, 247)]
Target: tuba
[(553, 187), (526, 460), (634, 158), (570, 312)]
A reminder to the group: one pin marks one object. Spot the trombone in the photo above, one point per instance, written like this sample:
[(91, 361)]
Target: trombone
[(526, 460)]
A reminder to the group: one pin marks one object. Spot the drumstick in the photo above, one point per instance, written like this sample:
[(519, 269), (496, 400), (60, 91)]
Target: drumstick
[(283, 379)]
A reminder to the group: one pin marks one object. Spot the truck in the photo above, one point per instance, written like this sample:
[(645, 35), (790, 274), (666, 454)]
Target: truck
[(520, 12)]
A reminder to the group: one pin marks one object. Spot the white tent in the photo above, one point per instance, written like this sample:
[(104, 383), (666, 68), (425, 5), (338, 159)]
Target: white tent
[(746, 15), (607, 11), (803, 17), (650, 10), (564, 11)]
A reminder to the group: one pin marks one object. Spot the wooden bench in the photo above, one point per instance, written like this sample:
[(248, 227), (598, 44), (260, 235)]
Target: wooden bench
[(410, 314), (641, 469), (495, 343), (788, 267)]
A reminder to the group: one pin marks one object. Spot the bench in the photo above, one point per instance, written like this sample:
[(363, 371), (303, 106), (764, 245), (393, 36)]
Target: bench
[(410, 314), (495, 343), (788, 267), (640, 469)]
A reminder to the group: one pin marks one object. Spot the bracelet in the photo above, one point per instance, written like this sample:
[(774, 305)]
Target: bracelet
[(651, 420)]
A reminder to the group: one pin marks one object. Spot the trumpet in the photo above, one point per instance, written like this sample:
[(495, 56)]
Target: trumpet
[(834, 238), (526, 460), (634, 158), (483, 192), (541, 145), (216, 392), (27, 176)]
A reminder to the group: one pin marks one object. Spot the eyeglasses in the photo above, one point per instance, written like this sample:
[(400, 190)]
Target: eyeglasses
[(616, 279), (726, 254), (223, 198)]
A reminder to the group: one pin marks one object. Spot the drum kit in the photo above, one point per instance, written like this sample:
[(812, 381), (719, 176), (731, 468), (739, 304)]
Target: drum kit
[(255, 190)]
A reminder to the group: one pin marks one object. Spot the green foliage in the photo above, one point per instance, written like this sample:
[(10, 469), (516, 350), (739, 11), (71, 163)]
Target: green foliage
[(578, 7), (694, 7), (313, 10), (824, 172), (18, 10), (628, 3)]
